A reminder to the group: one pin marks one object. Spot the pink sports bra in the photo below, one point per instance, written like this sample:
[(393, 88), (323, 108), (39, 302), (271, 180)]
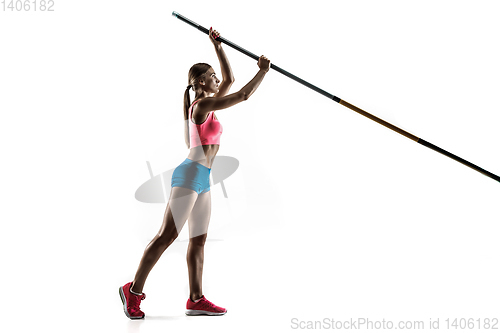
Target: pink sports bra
[(207, 133)]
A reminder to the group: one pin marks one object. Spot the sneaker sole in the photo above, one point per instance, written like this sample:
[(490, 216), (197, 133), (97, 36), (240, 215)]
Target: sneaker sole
[(206, 313), (124, 301)]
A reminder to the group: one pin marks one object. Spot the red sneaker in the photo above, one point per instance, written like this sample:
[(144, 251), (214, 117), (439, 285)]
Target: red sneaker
[(131, 302), (203, 307)]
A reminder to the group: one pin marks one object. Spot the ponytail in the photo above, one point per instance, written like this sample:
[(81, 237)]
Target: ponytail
[(187, 104), (196, 72)]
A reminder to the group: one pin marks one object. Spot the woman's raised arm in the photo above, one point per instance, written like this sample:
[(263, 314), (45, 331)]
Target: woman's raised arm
[(227, 73), (208, 104)]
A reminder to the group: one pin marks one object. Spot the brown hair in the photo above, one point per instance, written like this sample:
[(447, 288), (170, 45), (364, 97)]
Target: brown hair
[(195, 72)]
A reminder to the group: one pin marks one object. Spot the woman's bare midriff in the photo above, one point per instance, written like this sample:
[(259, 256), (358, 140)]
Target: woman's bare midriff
[(204, 154)]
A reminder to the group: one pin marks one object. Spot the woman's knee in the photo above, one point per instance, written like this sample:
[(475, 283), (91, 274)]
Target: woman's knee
[(165, 238), (198, 240)]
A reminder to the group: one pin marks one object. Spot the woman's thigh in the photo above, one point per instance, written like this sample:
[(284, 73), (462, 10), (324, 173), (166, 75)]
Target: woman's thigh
[(181, 203), (199, 217)]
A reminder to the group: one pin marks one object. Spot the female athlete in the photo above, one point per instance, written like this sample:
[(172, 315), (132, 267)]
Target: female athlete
[(190, 197)]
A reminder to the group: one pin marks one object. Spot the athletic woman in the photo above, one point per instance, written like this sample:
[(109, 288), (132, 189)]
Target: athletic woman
[(190, 197)]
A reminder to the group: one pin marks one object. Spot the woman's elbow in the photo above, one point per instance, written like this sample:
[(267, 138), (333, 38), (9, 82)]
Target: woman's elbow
[(243, 95)]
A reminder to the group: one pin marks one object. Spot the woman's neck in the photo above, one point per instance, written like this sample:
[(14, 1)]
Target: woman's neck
[(202, 94)]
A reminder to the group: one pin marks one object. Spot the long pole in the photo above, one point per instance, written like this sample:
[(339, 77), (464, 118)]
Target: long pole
[(342, 102)]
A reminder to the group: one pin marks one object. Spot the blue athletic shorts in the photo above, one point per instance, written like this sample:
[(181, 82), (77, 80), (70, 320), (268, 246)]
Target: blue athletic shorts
[(192, 175)]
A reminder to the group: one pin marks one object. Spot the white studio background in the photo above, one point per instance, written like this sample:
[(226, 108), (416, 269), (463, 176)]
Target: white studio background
[(330, 215)]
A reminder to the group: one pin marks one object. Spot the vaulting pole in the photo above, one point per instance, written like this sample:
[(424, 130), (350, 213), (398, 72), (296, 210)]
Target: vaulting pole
[(342, 102)]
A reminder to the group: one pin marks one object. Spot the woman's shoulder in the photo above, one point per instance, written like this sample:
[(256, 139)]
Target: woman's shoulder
[(200, 102), (193, 104), (199, 113)]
